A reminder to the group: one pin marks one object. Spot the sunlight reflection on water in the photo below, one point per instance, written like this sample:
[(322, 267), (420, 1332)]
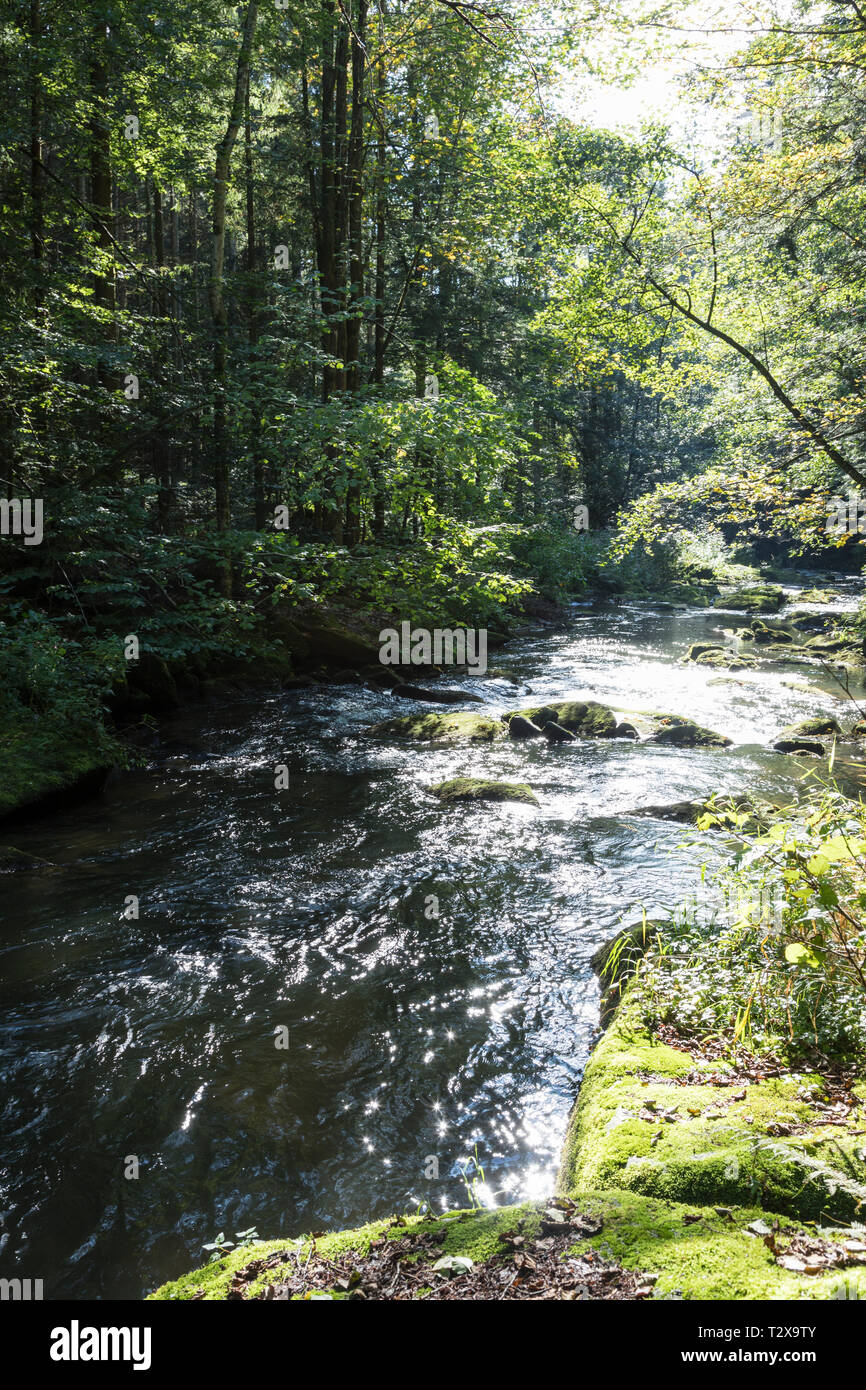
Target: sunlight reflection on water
[(411, 1035)]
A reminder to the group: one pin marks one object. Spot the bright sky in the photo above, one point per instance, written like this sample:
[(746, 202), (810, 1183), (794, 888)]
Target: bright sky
[(657, 93)]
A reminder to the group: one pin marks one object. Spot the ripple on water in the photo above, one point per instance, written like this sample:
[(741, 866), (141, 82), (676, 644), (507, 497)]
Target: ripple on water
[(431, 964)]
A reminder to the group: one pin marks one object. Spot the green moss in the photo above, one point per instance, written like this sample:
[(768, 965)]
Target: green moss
[(475, 789), (715, 1257), (636, 1129), (757, 598), (442, 728), (817, 596), (685, 733), (471, 1233), (587, 718), (810, 728), (39, 764)]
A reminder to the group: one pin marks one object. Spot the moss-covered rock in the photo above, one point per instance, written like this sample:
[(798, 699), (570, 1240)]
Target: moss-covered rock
[(817, 596), (539, 715), (646, 1122), (476, 789), (519, 727), (698, 649), (436, 697), (13, 860), (759, 812), (586, 718), (460, 727), (755, 598), (766, 634), (721, 658), (554, 733), (813, 728), (54, 767), (685, 733), (801, 622)]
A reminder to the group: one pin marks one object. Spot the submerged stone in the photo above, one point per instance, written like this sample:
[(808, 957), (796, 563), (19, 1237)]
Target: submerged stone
[(460, 727), (476, 789), (437, 697)]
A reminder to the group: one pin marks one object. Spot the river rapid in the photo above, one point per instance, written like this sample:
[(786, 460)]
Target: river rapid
[(430, 964)]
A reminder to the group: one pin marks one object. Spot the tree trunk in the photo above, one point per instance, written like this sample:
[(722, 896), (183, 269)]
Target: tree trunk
[(355, 184), (219, 317), (100, 187)]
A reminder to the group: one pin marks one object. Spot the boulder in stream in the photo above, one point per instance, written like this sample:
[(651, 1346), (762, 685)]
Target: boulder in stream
[(690, 812), (752, 598), (460, 727), (812, 728), (476, 789), (520, 727), (805, 736), (685, 733), (799, 745), (14, 860), (586, 718), (722, 658), (437, 697), (555, 733), (817, 596)]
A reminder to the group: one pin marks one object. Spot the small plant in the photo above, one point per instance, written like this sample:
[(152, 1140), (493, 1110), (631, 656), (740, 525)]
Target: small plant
[(477, 1179), (220, 1247), (784, 959)]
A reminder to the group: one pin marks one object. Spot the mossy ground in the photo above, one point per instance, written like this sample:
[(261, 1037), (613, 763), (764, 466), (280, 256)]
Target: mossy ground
[(679, 1156), (472, 1233), (639, 1125), (712, 1257)]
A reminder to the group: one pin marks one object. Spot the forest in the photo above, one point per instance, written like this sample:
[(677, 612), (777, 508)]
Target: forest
[(433, 651)]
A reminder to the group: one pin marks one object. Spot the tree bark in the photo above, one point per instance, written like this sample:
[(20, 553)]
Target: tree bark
[(216, 294)]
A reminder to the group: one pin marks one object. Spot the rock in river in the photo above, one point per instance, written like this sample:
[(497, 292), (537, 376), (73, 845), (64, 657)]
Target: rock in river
[(554, 733), (475, 789), (755, 598), (586, 718), (460, 727), (685, 733), (437, 697), (521, 727)]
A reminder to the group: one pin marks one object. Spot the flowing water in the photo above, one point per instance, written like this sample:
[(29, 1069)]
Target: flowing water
[(412, 1036)]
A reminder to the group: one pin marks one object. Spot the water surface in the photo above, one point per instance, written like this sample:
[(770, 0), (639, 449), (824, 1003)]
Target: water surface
[(411, 1035)]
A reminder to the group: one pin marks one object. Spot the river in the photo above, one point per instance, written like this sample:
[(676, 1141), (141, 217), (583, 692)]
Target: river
[(414, 1040)]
